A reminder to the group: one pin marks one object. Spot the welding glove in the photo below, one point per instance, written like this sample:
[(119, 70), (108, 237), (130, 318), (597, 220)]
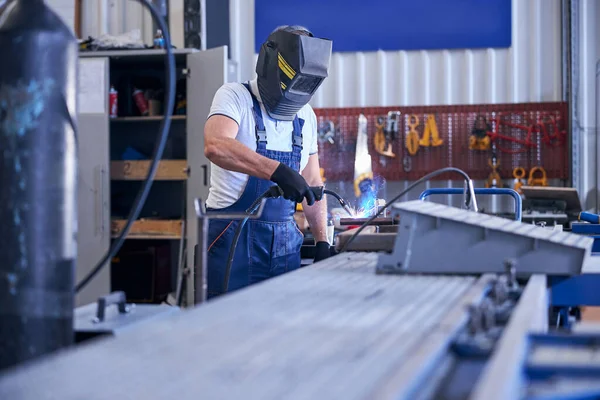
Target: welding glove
[(293, 185), (321, 251)]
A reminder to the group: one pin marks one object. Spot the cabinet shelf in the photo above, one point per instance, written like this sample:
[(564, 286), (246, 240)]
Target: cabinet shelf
[(148, 229), (168, 170), (149, 118)]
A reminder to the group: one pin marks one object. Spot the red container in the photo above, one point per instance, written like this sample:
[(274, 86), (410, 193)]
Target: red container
[(140, 101), (112, 102)]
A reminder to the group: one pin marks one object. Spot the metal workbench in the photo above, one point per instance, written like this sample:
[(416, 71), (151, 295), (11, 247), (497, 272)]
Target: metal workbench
[(332, 330)]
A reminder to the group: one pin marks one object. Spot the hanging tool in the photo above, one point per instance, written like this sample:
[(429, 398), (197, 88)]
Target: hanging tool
[(412, 137), (363, 171), (431, 135), (387, 133), (479, 139), (540, 180), (494, 180), (556, 137), (326, 132), (519, 174)]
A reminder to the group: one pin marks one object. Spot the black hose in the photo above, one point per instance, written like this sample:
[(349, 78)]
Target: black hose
[(341, 200), (158, 150), (408, 189), (274, 191), (236, 237)]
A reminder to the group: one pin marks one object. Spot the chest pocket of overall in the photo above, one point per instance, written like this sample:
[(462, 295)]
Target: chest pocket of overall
[(287, 239)]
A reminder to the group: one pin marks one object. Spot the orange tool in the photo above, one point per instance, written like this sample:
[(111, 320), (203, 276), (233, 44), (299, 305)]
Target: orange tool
[(385, 135), (412, 137), (431, 135), (519, 174), (494, 180), (540, 180), (479, 140)]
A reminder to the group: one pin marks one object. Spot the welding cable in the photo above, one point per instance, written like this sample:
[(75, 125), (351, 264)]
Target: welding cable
[(273, 192), (158, 150), (340, 200), (470, 197)]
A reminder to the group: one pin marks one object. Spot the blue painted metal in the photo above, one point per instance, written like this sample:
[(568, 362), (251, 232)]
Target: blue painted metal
[(483, 191), (358, 25), (579, 290), (589, 217), (546, 375), (585, 228)]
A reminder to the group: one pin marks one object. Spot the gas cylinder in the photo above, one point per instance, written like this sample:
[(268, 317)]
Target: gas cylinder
[(38, 172)]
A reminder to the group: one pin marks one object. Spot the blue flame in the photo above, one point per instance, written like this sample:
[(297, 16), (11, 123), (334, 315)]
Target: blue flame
[(367, 202)]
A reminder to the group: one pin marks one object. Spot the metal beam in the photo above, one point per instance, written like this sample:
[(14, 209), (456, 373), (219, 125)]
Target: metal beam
[(331, 330), (501, 378)]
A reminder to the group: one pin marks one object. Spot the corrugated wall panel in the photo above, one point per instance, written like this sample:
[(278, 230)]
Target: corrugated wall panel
[(115, 17), (529, 71), (588, 100)]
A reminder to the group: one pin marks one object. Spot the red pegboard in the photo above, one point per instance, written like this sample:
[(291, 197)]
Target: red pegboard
[(455, 125)]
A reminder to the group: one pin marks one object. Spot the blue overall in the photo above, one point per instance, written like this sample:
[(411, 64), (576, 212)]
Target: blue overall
[(268, 246)]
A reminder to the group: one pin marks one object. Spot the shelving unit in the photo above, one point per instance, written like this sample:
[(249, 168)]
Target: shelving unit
[(115, 157), (147, 119), (149, 229), (137, 170)]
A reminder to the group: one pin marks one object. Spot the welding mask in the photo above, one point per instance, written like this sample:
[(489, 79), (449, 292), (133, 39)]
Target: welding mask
[(290, 69)]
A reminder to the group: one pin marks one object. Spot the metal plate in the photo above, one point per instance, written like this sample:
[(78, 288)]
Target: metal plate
[(333, 330), (439, 239), (113, 321)]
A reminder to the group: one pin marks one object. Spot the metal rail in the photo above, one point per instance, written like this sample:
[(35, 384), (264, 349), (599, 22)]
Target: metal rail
[(502, 377), (484, 191)]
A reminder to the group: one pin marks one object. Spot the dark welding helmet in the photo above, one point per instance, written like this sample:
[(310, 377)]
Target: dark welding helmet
[(291, 66)]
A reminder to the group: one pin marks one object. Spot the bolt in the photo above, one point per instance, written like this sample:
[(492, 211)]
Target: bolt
[(488, 314), (474, 319), (510, 268), (499, 291)]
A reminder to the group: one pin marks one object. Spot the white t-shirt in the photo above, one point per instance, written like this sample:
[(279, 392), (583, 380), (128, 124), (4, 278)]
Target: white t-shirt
[(234, 101)]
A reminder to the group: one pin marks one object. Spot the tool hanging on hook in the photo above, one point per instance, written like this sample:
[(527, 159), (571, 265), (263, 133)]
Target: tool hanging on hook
[(494, 180), (479, 139), (519, 174), (412, 137), (387, 133), (431, 135), (540, 180), (326, 132)]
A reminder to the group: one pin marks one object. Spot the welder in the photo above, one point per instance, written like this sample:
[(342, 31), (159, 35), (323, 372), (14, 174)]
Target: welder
[(258, 134)]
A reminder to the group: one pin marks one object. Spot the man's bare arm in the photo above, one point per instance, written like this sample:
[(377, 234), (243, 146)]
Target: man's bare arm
[(221, 148), (316, 215)]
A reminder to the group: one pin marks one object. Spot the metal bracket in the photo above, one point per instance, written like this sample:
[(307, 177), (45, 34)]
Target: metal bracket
[(200, 260)]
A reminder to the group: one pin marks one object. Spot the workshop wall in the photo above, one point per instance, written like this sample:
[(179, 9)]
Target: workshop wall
[(115, 17), (527, 72), (586, 110)]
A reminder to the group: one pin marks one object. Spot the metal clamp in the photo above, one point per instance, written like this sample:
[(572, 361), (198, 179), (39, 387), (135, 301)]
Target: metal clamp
[(484, 191), (117, 298), (200, 261)]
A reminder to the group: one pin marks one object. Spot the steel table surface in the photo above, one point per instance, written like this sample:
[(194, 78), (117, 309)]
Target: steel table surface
[(332, 330)]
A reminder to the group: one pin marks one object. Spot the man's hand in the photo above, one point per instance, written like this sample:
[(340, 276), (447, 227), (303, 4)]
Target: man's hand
[(292, 184), (322, 251)]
